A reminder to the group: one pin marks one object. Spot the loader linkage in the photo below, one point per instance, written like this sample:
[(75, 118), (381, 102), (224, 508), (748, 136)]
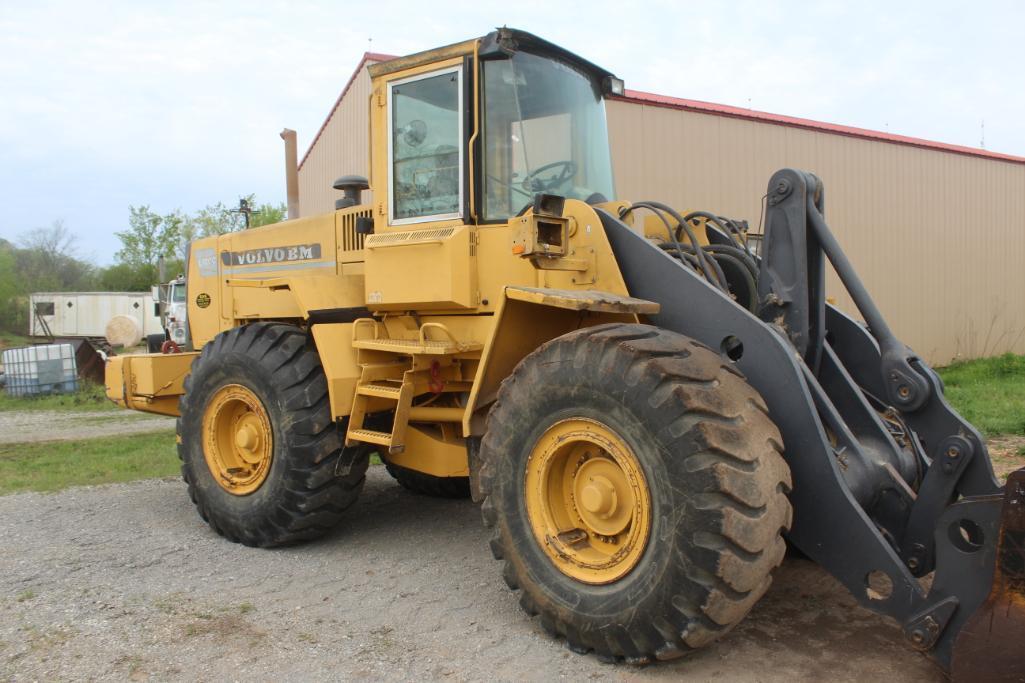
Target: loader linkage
[(890, 483)]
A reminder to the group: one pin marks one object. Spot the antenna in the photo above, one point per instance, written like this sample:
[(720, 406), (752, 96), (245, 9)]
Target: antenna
[(982, 135)]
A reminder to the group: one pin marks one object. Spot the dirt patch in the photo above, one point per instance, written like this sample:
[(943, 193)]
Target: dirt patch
[(1007, 453), (138, 587), (31, 426)]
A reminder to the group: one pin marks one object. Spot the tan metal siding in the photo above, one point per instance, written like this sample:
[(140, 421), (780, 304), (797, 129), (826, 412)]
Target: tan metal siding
[(938, 237), (342, 149)]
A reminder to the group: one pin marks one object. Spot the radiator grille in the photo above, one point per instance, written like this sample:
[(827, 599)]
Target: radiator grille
[(349, 239)]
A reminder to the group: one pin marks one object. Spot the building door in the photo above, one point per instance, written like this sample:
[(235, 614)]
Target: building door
[(68, 315)]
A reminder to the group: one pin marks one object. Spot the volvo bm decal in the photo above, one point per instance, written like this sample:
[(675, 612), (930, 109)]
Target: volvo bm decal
[(251, 257)]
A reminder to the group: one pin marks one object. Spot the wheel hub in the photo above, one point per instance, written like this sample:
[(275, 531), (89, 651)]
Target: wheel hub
[(587, 501), (237, 439), (248, 439), (599, 497)]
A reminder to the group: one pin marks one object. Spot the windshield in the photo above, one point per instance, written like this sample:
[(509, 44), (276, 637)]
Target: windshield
[(178, 294), (544, 131)]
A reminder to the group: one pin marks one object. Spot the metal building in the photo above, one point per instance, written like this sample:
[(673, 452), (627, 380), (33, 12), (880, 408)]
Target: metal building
[(86, 314), (937, 231)]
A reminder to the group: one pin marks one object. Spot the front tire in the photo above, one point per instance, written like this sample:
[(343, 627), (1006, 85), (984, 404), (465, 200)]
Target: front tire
[(262, 456), (636, 489)]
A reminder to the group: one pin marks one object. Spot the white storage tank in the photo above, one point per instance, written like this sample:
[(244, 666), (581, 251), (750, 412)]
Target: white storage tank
[(34, 370)]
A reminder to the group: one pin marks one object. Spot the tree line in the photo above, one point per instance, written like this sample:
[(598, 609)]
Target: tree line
[(47, 259)]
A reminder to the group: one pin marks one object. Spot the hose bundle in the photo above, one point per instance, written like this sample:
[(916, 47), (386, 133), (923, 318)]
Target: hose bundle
[(731, 267)]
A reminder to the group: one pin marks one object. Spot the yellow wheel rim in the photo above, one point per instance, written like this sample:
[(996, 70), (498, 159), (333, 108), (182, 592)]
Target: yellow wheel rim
[(237, 441), (588, 501)]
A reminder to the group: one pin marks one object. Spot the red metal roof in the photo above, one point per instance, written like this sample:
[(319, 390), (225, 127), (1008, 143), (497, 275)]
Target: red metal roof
[(639, 97)]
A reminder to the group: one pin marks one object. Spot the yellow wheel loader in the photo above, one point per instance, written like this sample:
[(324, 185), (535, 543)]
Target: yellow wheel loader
[(647, 407)]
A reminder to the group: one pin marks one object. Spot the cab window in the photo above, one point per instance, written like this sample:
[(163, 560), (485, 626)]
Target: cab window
[(425, 147), (544, 132)]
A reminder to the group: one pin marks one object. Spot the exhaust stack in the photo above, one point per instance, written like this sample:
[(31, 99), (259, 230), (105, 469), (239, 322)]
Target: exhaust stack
[(291, 172)]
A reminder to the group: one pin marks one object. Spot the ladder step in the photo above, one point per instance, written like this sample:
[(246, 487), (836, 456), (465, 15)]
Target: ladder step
[(380, 390), (417, 347), (369, 436)]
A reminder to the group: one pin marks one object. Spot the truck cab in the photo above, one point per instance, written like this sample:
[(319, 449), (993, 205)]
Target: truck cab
[(169, 302)]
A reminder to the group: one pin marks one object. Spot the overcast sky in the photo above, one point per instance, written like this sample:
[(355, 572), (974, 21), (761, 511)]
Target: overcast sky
[(179, 104)]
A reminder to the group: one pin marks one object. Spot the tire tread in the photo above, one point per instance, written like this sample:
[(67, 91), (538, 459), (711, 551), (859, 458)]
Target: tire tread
[(735, 466)]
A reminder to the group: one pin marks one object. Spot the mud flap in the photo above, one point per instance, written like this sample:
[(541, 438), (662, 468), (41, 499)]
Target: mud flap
[(991, 645)]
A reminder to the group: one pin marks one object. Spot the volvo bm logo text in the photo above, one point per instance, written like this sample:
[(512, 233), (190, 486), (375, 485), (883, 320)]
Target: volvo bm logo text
[(250, 257)]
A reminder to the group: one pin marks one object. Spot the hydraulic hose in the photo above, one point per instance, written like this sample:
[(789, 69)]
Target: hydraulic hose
[(724, 224), (711, 273), (693, 261), (739, 262)]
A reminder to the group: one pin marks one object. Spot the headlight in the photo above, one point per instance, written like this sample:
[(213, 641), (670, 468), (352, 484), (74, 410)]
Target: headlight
[(613, 86)]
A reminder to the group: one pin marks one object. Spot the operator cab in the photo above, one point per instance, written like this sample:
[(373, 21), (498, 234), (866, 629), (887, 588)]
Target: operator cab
[(477, 130), (544, 131)]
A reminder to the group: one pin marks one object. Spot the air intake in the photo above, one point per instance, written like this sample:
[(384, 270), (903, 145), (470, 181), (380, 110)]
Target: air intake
[(352, 187)]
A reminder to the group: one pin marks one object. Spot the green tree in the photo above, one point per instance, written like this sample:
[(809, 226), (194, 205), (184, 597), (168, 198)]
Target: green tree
[(267, 214), (47, 261), (11, 293), (126, 277), (149, 236), (218, 219)]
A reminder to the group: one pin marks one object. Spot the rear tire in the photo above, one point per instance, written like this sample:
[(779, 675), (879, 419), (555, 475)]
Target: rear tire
[(154, 342), (270, 379), (428, 485), (707, 465)]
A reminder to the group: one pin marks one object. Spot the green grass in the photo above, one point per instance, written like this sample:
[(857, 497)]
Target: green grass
[(10, 340), (89, 396), (989, 393), (57, 465)]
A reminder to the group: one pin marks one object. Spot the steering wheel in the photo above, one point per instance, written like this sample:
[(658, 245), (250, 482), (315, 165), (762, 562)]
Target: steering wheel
[(532, 183)]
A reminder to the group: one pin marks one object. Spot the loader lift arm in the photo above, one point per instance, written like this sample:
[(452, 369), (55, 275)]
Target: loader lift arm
[(890, 483)]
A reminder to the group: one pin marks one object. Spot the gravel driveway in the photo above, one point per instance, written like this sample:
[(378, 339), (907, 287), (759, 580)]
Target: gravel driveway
[(125, 581), (25, 426)]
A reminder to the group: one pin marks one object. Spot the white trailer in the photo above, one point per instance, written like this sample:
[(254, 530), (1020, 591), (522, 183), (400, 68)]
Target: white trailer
[(86, 314)]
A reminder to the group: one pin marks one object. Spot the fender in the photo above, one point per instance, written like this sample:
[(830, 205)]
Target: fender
[(526, 318)]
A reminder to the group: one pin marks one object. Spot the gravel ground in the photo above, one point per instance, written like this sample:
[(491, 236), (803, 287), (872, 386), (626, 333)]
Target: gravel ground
[(125, 581), (1007, 453), (25, 426)]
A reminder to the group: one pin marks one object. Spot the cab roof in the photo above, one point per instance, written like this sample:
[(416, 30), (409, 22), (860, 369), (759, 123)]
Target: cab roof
[(499, 44)]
